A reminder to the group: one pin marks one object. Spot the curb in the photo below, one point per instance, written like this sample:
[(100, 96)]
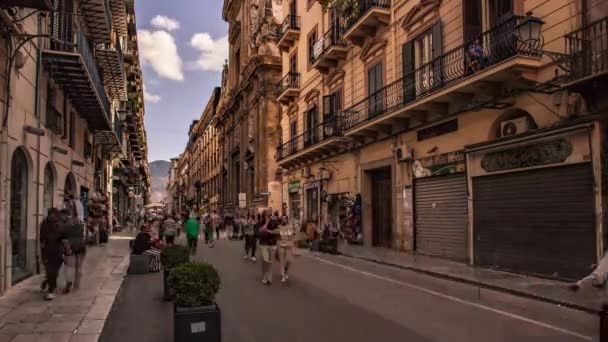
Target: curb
[(491, 287)]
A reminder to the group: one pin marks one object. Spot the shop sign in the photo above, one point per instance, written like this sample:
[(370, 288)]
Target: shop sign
[(312, 185), (544, 153), (242, 200), (293, 187), (443, 164)]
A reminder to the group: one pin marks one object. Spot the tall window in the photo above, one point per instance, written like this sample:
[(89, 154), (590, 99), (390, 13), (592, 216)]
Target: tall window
[(237, 64), (293, 63), (312, 204), (72, 136), (312, 39), (423, 54), (332, 107), (293, 131), (310, 137), (374, 87), (49, 184)]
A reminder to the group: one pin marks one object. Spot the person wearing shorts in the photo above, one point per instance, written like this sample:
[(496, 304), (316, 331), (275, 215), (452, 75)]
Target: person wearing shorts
[(268, 246)]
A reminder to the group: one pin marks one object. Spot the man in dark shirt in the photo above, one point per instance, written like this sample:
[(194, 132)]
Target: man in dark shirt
[(268, 243)]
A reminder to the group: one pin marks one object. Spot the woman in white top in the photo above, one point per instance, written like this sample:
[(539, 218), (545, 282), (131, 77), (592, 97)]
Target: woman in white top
[(286, 247)]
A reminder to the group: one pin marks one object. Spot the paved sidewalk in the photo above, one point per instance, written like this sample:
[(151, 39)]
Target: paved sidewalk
[(550, 291), (76, 317)]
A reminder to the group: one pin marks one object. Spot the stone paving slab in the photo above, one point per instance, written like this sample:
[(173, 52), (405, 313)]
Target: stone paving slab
[(76, 317)]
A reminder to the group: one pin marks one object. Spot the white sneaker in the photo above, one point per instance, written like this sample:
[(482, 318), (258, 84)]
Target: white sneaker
[(253, 259), (49, 296)]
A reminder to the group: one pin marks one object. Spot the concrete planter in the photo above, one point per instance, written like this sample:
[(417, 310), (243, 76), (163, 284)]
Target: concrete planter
[(199, 324)]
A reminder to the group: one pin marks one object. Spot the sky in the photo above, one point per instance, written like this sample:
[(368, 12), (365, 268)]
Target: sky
[(182, 48)]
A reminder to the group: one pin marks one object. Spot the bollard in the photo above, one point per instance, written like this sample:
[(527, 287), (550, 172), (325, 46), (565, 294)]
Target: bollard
[(604, 323)]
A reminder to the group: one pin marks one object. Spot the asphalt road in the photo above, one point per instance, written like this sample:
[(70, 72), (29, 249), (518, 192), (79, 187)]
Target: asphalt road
[(339, 299)]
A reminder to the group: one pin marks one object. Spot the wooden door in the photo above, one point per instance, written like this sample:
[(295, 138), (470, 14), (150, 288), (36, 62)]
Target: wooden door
[(382, 217)]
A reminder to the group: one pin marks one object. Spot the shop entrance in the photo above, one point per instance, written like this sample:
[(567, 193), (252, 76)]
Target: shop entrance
[(382, 204)]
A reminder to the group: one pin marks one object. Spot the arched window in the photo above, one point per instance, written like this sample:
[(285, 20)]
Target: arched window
[(18, 215)]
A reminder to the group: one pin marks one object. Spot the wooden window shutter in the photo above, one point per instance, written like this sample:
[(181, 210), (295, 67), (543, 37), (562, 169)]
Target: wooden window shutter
[(436, 57), (407, 60)]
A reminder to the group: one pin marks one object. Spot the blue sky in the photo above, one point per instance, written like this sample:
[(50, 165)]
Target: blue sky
[(182, 47)]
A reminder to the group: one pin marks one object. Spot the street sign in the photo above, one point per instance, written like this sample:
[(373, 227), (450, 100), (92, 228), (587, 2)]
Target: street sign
[(242, 200)]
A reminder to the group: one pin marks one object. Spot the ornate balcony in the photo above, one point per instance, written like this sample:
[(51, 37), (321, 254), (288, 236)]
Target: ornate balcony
[(72, 66), (329, 50), (289, 32), (448, 84), (289, 87), (365, 19), (111, 61), (318, 142), (97, 17), (587, 48), (111, 140), (119, 16)]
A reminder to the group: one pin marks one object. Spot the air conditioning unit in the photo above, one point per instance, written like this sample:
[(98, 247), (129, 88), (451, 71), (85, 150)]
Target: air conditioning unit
[(515, 126), (305, 172), (403, 153)]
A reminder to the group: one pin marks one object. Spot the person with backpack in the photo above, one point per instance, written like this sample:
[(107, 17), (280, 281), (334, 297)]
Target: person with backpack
[(73, 230)]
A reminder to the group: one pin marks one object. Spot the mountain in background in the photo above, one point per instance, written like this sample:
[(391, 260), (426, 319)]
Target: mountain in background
[(159, 171)]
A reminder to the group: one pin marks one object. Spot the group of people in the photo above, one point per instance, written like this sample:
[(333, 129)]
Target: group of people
[(275, 238), (62, 243)]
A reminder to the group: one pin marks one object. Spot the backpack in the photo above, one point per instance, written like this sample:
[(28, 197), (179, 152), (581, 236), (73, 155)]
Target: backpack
[(75, 236)]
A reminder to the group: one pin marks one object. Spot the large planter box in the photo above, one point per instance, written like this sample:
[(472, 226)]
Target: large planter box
[(200, 324), (139, 264)]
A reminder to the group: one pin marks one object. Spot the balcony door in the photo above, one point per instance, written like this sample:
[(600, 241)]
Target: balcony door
[(422, 68), (335, 26), (293, 9), (61, 24), (332, 107), (310, 138), (293, 131), (501, 11), (374, 90)]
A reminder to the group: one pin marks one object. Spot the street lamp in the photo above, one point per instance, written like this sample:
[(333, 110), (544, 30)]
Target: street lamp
[(329, 128), (529, 31)]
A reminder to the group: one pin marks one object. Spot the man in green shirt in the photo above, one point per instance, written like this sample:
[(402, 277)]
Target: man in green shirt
[(192, 230)]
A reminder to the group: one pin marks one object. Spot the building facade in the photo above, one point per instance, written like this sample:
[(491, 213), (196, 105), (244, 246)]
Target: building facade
[(62, 125), (468, 130), (247, 119)]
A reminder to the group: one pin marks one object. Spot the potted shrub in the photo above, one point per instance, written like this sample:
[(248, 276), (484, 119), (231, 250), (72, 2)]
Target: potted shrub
[(171, 257), (196, 316)]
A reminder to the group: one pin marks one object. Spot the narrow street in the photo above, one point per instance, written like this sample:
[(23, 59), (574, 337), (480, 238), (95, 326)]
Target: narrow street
[(336, 299)]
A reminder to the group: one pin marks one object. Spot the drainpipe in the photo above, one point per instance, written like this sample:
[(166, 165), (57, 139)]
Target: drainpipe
[(37, 115), (4, 183)]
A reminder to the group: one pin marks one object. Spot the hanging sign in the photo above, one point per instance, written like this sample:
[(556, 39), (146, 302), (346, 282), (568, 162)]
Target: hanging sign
[(293, 187)]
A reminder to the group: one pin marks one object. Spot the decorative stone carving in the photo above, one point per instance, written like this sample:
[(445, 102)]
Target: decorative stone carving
[(418, 12), (544, 153), (334, 77), (312, 95), (292, 110), (371, 47)]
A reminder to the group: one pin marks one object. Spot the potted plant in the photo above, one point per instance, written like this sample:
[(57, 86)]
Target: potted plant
[(196, 316), (171, 257)]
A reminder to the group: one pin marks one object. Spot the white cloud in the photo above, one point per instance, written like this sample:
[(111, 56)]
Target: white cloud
[(213, 52), (158, 49), (151, 98), (165, 23)]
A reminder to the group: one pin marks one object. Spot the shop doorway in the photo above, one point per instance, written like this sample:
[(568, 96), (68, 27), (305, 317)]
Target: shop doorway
[(382, 204), (18, 215)]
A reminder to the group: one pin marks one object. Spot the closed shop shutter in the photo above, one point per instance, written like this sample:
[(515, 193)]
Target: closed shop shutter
[(536, 222), (441, 216)]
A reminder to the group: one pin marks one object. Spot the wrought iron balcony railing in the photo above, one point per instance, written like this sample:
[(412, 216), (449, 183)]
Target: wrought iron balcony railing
[(326, 130), (290, 81), (360, 8), (69, 36), (331, 38), (488, 49), (291, 22), (588, 50)]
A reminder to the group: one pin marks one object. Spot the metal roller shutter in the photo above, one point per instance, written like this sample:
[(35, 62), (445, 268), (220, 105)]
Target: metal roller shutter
[(441, 229), (537, 222)]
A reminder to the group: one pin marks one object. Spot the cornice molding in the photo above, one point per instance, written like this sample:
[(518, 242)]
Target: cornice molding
[(312, 95), (371, 47), (334, 77)]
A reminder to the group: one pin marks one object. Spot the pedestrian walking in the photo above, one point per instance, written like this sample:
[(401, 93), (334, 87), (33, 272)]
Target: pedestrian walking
[(192, 231), (55, 245), (597, 278), (53, 217), (74, 232), (170, 228), (268, 241), (161, 228), (286, 247), (249, 228)]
